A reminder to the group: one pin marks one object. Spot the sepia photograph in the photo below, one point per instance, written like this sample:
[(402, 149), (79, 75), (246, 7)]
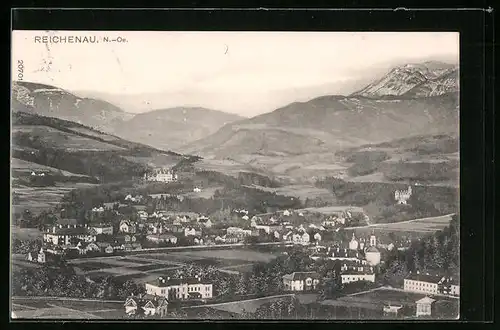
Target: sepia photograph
[(161, 175)]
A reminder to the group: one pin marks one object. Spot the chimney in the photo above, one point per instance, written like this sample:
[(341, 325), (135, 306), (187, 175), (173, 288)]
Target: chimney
[(69, 226), (54, 229), (60, 226)]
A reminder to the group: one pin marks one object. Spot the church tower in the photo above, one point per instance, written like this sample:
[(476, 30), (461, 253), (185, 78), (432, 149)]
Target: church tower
[(373, 240)]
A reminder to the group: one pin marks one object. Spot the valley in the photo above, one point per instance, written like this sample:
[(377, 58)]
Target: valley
[(121, 202)]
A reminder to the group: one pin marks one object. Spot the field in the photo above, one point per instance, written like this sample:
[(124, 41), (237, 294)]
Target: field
[(206, 193), (301, 191), (86, 131), (156, 160), (25, 234), (148, 266), (229, 254), (43, 308), (425, 225), (59, 139), (26, 167), (132, 267), (247, 305), (334, 209), (37, 199), (390, 296)]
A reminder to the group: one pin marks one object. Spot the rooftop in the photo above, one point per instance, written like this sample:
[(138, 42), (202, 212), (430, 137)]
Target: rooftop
[(425, 300), (424, 278), (300, 276), (167, 281)]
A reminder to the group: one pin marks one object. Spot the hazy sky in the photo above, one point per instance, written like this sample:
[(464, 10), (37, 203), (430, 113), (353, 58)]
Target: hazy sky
[(240, 72)]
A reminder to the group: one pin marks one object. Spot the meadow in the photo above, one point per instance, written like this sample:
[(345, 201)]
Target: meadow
[(419, 226), (390, 296), (148, 266)]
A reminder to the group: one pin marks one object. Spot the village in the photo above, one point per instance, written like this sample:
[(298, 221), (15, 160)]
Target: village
[(322, 239)]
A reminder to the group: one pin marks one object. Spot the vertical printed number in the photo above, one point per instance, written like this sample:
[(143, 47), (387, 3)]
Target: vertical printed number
[(20, 70)]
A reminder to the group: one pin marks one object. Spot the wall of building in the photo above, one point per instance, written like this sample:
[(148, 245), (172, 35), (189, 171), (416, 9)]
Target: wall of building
[(420, 286)]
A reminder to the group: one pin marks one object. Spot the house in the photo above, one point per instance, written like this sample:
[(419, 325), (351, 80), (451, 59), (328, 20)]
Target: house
[(162, 238), (196, 190), (238, 232), (161, 175), (286, 213), (135, 199), (297, 237), (59, 235), (355, 277), (98, 209), (192, 231), (232, 239), (125, 239), (105, 247), (92, 247), (103, 229), (174, 228), (449, 286), (143, 215), (198, 241), (136, 246), (317, 237), (39, 256), (155, 306), (127, 227), (344, 254), (205, 222), (423, 283), (424, 306), (180, 288), (392, 310), (301, 281)]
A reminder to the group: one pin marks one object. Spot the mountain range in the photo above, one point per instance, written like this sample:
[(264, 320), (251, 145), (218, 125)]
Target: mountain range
[(410, 100), (50, 101), (168, 129)]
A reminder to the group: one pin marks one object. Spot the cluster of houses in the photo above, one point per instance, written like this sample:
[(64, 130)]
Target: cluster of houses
[(431, 285)]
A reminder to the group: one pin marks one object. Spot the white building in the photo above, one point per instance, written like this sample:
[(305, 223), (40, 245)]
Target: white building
[(424, 306), (179, 288), (423, 283), (59, 235), (104, 229), (372, 255), (348, 278), (161, 175), (238, 232), (301, 281), (401, 196), (353, 243)]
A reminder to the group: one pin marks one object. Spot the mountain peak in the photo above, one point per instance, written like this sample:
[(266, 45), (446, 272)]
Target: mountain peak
[(401, 80)]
